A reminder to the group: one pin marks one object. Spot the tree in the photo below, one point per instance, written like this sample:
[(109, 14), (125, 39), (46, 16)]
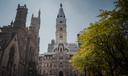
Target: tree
[(104, 44)]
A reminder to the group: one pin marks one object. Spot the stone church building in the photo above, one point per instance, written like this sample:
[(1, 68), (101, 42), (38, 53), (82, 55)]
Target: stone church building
[(19, 45), (56, 62)]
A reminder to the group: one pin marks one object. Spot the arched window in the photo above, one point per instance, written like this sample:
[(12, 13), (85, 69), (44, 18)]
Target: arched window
[(60, 49), (61, 36), (50, 72), (0, 53), (61, 29), (11, 59)]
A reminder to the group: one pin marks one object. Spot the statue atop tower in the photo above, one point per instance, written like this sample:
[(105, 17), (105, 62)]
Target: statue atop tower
[(35, 23)]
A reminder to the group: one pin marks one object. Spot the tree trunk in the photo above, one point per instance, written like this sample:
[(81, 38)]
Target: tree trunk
[(85, 71), (111, 70)]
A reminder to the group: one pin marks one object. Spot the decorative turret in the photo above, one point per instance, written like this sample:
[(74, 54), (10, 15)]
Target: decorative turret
[(11, 23), (21, 15), (35, 23), (39, 13), (61, 33)]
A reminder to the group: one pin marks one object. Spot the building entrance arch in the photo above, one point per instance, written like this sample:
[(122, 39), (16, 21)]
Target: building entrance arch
[(61, 73)]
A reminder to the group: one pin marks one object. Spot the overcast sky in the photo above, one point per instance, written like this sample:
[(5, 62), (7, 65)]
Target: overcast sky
[(79, 14)]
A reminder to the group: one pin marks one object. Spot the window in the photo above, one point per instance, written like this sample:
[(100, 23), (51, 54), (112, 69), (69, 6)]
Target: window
[(54, 50), (0, 53), (60, 49), (61, 36), (61, 21), (11, 57), (57, 16), (61, 29), (61, 57), (60, 65)]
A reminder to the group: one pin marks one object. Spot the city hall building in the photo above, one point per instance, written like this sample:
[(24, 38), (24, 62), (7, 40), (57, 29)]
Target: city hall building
[(56, 62)]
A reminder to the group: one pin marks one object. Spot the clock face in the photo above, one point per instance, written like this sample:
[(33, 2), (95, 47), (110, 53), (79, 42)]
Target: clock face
[(61, 21)]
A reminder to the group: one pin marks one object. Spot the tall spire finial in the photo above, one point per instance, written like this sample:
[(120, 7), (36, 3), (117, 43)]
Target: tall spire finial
[(39, 13), (32, 15), (11, 22), (61, 5)]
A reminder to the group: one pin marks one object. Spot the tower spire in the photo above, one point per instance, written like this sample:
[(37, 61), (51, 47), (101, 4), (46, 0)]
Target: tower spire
[(39, 13), (21, 16), (61, 12), (61, 32)]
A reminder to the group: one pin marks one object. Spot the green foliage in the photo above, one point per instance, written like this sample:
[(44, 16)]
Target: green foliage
[(104, 44)]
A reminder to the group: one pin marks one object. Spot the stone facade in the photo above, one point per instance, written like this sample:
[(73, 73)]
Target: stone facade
[(56, 62), (19, 45)]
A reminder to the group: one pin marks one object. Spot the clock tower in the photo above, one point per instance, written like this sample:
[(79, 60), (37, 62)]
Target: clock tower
[(61, 32)]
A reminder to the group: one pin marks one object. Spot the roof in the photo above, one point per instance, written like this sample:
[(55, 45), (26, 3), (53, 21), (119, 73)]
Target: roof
[(5, 38), (61, 12)]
